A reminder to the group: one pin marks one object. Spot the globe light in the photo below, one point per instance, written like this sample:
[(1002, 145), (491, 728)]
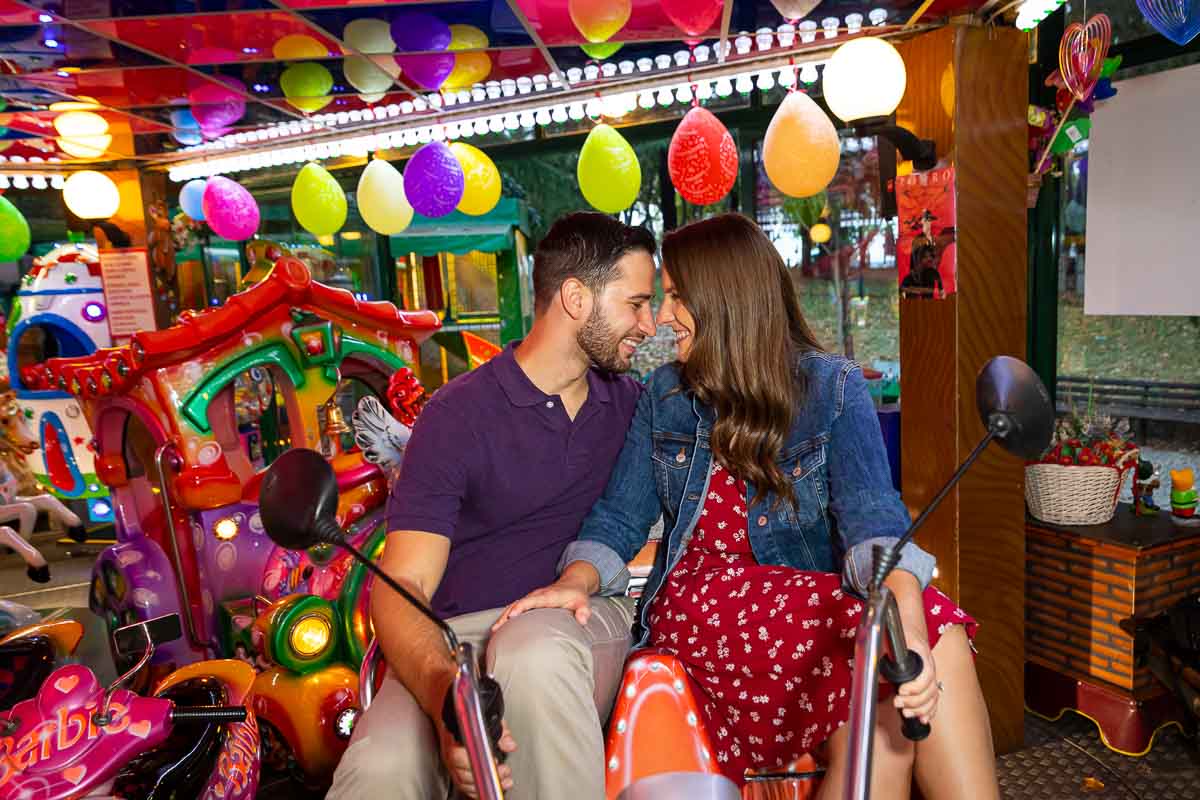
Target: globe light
[(743, 43), (854, 23), (646, 100), (878, 16), (864, 78), (91, 195), (542, 117), (808, 31), (724, 88), (787, 34), (829, 27), (808, 73), (764, 38)]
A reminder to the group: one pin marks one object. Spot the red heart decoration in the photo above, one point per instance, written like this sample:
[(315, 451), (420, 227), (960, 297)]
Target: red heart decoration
[(1081, 54)]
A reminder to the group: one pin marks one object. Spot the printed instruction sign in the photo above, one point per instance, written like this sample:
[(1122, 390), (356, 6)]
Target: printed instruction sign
[(127, 292)]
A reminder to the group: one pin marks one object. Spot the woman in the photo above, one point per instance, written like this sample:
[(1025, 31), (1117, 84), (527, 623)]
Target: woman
[(765, 458)]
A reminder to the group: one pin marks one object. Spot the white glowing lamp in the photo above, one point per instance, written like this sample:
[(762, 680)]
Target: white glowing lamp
[(91, 195), (864, 78), (82, 134)]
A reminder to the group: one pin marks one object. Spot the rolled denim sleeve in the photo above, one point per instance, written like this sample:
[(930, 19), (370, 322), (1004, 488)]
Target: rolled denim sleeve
[(867, 508), (619, 523)]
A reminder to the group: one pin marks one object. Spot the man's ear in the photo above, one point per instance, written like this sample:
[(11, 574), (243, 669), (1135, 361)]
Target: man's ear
[(575, 299)]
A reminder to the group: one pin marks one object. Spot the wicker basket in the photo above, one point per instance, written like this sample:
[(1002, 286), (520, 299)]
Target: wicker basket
[(1075, 495)]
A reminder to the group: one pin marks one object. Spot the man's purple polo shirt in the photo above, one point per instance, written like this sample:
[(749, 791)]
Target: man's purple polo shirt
[(497, 466)]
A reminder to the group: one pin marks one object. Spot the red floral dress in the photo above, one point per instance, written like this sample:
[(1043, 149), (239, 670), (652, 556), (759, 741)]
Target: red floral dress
[(769, 650)]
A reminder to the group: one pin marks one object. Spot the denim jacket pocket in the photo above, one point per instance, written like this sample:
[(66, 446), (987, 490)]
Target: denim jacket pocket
[(804, 463), (672, 456)]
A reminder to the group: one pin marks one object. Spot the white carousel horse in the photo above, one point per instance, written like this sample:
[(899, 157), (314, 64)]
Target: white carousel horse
[(18, 498)]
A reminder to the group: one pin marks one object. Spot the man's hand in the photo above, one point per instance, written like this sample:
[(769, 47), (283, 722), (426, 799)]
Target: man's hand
[(454, 756), (560, 594)]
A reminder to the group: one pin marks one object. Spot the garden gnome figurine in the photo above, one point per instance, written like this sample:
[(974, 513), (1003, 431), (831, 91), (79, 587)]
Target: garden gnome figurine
[(1145, 481), (1183, 497)]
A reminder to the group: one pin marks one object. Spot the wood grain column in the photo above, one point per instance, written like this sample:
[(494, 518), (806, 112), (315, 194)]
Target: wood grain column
[(967, 90)]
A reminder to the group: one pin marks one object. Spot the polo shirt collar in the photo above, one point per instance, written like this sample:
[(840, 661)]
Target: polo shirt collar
[(522, 392)]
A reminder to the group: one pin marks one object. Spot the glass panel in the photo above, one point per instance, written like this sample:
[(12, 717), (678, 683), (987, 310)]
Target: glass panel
[(474, 284)]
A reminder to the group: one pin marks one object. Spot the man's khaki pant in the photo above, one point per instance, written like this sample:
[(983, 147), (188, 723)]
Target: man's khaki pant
[(559, 680)]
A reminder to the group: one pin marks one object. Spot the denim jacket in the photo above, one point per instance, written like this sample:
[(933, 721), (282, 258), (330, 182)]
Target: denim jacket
[(834, 453)]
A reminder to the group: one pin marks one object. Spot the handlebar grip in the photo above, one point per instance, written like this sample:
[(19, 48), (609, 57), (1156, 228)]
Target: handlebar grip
[(492, 700), (182, 715), (913, 729)]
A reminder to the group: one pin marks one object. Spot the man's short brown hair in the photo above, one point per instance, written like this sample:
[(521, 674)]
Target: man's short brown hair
[(585, 246)]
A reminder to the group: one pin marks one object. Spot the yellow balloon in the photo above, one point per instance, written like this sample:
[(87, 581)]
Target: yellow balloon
[(598, 20), (297, 46), (469, 68), (801, 149), (381, 199), (318, 201), (609, 175), (481, 178), (820, 233), (306, 86)]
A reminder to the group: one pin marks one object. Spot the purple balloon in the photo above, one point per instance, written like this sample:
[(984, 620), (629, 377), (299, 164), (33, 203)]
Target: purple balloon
[(229, 209), (427, 71), (215, 106), (433, 180), (419, 32)]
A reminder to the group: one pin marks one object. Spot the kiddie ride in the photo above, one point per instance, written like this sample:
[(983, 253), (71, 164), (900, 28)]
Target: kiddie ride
[(655, 703), (185, 421)]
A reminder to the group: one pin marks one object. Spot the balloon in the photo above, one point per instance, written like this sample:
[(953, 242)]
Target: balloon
[(183, 118), (306, 86), (433, 180), (370, 75), (297, 46), (702, 158), (215, 106), (481, 179), (801, 149), (601, 51), (191, 198), (188, 136), (369, 36), (318, 201), (693, 17), (420, 32), (381, 199), (598, 20), (15, 237), (820, 233), (427, 71), (229, 209), (609, 175), (469, 68), (795, 9)]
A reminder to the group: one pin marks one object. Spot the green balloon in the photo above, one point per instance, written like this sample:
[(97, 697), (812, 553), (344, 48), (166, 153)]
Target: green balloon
[(306, 86), (1072, 134), (14, 232), (1110, 66), (601, 50)]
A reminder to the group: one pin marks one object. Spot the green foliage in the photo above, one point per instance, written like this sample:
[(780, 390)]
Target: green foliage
[(805, 211)]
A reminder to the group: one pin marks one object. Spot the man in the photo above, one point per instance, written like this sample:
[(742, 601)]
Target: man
[(503, 465)]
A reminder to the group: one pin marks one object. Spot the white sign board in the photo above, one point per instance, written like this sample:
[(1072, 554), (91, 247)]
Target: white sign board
[(127, 293)]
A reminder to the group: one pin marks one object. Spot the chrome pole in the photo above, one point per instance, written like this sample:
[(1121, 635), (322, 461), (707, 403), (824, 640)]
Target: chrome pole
[(864, 692), (469, 709)]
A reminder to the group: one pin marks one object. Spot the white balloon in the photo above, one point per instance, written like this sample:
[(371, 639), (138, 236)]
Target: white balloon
[(369, 36), (369, 75), (382, 202)]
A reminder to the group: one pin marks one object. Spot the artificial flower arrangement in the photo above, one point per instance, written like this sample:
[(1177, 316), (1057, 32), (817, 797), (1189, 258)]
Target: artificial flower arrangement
[(1078, 479)]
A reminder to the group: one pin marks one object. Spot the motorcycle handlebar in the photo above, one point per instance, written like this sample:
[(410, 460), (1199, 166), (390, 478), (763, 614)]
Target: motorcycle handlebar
[(208, 714)]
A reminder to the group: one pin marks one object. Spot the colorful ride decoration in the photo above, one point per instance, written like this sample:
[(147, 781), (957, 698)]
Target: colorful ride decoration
[(184, 460), (62, 300), (1183, 497)]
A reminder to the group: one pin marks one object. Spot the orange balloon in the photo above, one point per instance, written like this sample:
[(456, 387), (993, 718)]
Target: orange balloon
[(598, 20), (801, 149)]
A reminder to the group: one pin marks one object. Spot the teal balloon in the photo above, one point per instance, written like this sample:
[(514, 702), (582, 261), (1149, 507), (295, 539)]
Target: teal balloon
[(14, 231), (191, 199)]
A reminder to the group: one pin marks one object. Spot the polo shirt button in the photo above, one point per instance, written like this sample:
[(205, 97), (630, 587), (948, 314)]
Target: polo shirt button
[(549, 404), (762, 520)]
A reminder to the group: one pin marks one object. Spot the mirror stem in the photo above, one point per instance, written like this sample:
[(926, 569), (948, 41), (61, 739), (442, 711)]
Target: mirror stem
[(998, 427), (341, 541)]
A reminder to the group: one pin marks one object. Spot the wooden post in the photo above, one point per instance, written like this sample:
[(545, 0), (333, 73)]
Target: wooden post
[(967, 90)]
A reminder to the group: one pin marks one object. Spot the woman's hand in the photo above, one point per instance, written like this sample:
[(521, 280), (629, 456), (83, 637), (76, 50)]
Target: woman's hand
[(560, 594), (454, 756), (919, 697)]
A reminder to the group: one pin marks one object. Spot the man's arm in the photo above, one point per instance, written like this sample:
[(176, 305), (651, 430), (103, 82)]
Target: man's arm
[(414, 647)]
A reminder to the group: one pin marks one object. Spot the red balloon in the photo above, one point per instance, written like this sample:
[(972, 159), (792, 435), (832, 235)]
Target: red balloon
[(702, 158), (693, 17)]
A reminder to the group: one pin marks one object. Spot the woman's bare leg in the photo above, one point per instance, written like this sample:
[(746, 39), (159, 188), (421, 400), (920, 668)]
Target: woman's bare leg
[(957, 760), (891, 762)]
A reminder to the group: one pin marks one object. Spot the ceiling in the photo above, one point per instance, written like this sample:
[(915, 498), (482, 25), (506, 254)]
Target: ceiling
[(154, 67)]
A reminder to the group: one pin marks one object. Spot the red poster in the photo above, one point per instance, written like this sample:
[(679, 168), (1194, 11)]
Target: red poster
[(925, 257)]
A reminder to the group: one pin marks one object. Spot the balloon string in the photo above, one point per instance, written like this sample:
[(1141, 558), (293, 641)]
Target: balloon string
[(695, 93), (795, 75)]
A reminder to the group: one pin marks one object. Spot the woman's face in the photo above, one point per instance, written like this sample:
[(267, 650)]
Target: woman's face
[(674, 313)]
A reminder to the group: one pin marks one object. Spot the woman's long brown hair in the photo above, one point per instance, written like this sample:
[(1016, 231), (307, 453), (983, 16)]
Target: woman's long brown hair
[(749, 330)]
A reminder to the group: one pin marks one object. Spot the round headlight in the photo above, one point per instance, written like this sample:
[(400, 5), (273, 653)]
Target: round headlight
[(225, 529), (310, 636)]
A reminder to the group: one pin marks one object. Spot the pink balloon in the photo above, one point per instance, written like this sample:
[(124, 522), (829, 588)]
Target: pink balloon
[(693, 17), (702, 158), (229, 209), (215, 106)]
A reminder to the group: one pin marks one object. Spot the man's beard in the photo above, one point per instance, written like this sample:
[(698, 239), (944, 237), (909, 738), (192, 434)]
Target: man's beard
[(601, 344)]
